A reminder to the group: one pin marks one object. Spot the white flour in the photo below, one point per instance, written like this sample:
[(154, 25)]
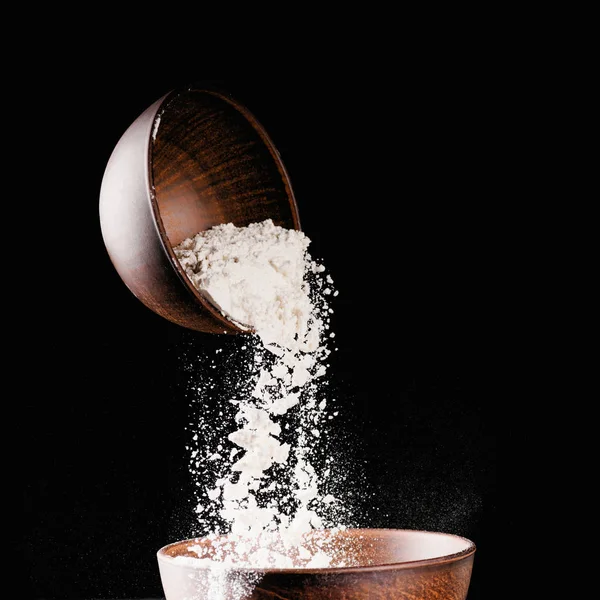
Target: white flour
[(261, 484), (255, 275)]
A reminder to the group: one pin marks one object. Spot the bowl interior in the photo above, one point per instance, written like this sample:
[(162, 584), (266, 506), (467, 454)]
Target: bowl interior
[(356, 548), (210, 163)]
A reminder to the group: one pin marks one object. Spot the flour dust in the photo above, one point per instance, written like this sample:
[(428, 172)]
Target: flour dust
[(262, 458)]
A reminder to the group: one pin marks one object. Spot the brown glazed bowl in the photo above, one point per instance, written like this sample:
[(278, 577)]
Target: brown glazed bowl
[(194, 159), (387, 564)]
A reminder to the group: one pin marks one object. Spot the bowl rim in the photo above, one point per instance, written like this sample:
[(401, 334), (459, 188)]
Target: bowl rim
[(469, 550), (228, 324)]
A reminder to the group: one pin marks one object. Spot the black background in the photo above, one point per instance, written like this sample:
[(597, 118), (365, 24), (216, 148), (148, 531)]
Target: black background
[(393, 184)]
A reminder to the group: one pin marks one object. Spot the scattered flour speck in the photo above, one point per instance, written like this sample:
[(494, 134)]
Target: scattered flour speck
[(261, 472)]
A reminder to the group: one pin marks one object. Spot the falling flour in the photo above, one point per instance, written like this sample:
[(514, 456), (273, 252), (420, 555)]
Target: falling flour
[(264, 485)]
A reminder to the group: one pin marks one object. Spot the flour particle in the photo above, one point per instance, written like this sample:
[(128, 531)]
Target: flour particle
[(262, 477)]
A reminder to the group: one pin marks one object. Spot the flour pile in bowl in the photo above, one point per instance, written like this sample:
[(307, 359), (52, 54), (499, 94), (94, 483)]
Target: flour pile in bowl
[(265, 482)]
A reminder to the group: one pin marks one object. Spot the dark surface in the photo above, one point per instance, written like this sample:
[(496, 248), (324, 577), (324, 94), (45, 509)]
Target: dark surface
[(393, 189)]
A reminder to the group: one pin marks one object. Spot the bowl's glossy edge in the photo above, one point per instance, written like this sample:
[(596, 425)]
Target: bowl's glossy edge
[(124, 189), (449, 558)]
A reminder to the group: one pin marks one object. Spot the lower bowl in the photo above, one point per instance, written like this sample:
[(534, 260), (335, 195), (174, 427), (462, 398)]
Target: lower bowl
[(380, 564)]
